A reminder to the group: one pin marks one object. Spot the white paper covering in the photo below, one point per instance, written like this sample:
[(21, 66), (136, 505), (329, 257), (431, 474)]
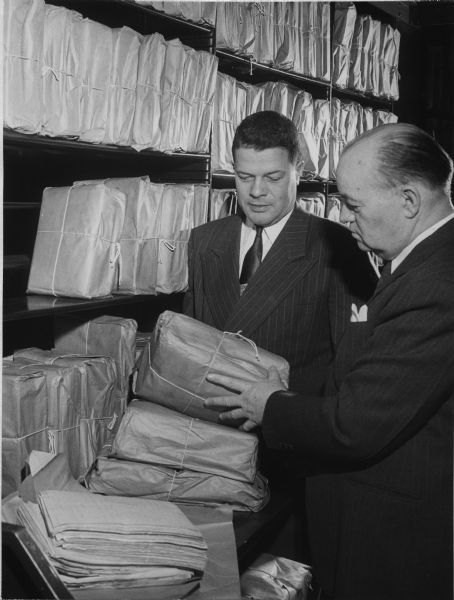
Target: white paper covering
[(322, 123), (224, 123), (312, 202), (183, 351), (146, 125), (344, 25), (94, 46), (23, 32), (76, 246), (121, 92), (153, 434), (62, 84)]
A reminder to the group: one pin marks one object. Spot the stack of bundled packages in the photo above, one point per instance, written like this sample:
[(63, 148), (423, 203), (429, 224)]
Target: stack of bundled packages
[(197, 12), (126, 236), (293, 36), (348, 120), (365, 53), (114, 544), (333, 207), (70, 76), (67, 399), (168, 445), (234, 100)]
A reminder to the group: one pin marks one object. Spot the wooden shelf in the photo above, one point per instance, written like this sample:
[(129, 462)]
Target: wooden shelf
[(35, 305)]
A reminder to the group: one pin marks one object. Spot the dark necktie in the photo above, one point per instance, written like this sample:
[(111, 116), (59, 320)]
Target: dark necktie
[(253, 257), (385, 271)]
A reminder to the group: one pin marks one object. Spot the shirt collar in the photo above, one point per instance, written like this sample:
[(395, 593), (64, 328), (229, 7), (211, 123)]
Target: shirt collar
[(422, 236), (272, 231)]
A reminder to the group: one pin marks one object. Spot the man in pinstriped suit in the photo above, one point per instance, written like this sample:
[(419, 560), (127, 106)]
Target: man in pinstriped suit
[(380, 442), (298, 302)]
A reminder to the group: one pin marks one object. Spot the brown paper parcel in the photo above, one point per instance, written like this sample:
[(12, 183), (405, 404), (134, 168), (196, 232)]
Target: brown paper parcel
[(76, 247), (114, 337), (153, 434), (115, 477), (183, 351), (24, 420)]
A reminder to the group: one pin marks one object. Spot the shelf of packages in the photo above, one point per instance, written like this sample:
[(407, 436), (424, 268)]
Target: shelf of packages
[(363, 98), (227, 180), (144, 19), (73, 160), (251, 71)]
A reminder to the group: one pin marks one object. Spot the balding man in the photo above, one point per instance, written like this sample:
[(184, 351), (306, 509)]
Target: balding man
[(380, 442)]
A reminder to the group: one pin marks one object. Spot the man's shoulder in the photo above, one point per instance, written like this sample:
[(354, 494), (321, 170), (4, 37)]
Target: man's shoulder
[(216, 226)]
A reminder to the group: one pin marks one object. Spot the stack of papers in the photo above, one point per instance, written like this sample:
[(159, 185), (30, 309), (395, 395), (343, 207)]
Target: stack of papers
[(97, 541)]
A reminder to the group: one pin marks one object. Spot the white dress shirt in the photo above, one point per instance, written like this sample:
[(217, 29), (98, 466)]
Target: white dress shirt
[(269, 236), (422, 236)]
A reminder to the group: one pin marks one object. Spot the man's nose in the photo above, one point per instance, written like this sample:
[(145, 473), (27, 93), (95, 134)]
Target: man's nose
[(258, 188)]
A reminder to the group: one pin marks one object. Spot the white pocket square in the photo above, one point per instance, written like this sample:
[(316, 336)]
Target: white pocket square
[(359, 314)]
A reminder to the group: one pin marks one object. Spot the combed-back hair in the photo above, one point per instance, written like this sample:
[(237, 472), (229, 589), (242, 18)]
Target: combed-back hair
[(406, 152), (268, 129)]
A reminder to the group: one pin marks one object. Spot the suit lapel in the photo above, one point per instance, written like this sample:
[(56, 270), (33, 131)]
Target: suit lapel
[(283, 267), (220, 265)]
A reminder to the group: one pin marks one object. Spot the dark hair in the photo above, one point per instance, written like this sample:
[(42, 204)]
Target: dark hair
[(268, 129), (406, 152)]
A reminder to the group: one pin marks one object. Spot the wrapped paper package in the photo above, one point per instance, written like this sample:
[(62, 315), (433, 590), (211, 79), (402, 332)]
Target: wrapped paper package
[(312, 202), (23, 33), (322, 40), (373, 83), (62, 87), (114, 337), (352, 116), (115, 477), (153, 434), (184, 351), (276, 577), (203, 107), (83, 413), (76, 246), (354, 76), (285, 35), (24, 420), (222, 203), (303, 117), (172, 96), (344, 26), (322, 126), (235, 27), (264, 37), (367, 119), (333, 208), (64, 388), (121, 92), (146, 132), (94, 48), (137, 260), (381, 117), (174, 222), (224, 122), (395, 46)]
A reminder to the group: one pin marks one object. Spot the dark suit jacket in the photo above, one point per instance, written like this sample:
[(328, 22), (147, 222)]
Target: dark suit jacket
[(298, 303), (380, 505)]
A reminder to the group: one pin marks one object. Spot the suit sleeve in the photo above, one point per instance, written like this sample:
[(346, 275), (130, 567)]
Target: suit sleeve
[(188, 300), (391, 391)]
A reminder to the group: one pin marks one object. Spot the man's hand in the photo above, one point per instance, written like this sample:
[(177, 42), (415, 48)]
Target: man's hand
[(249, 401)]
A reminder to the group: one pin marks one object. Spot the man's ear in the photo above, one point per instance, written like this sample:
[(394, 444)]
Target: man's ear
[(411, 199)]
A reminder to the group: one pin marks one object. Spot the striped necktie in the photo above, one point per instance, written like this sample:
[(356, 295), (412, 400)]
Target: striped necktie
[(253, 257)]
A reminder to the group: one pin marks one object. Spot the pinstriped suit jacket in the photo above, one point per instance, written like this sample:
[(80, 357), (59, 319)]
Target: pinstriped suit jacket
[(298, 303), (380, 506)]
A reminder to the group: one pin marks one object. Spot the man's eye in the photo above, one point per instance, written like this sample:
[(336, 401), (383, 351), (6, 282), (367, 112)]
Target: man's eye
[(275, 178), (245, 177)]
